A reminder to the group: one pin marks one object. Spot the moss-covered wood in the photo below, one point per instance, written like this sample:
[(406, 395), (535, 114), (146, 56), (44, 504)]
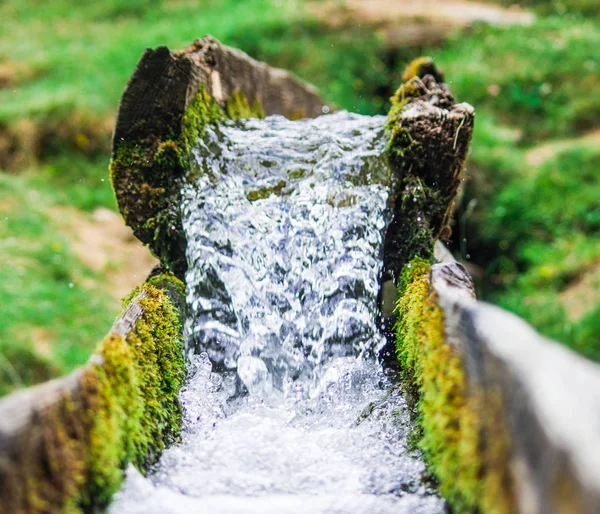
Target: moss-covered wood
[(463, 441), (429, 136), (526, 388), (428, 139), (169, 100), (147, 176), (64, 444)]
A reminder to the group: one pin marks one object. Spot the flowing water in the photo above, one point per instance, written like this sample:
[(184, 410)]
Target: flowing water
[(286, 409)]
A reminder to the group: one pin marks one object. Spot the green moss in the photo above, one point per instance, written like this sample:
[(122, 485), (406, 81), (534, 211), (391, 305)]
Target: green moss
[(420, 67), (202, 111), (112, 417), (265, 192), (123, 407), (168, 155), (238, 107), (161, 369), (426, 155), (173, 288), (399, 138), (296, 174), (452, 430), (147, 176)]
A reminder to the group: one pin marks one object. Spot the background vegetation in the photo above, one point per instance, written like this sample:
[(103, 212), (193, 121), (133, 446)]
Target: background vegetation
[(529, 219)]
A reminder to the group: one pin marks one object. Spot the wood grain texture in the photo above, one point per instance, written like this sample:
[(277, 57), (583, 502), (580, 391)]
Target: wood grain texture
[(546, 396), (164, 83)]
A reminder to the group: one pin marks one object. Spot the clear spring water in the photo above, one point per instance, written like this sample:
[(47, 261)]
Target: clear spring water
[(286, 409)]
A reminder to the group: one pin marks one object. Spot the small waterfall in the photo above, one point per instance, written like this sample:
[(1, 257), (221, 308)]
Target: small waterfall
[(286, 408)]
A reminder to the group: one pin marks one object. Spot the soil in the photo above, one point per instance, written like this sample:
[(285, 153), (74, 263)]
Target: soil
[(106, 246), (416, 22), (540, 154), (582, 293)]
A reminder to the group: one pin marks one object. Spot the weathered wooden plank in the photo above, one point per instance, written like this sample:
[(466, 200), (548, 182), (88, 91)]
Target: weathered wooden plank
[(51, 434), (548, 398), (164, 83)]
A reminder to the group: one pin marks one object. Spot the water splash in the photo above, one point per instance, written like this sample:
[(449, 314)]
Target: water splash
[(286, 408)]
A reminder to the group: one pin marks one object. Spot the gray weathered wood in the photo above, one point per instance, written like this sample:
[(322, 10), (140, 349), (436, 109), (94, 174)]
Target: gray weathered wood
[(126, 322), (19, 431), (550, 398), (165, 82), (442, 254)]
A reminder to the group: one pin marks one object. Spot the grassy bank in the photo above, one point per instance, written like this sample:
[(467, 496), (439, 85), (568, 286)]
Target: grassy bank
[(51, 313), (532, 235), (530, 215)]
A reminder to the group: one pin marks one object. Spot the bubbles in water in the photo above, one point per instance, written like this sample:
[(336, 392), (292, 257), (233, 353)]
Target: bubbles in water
[(285, 409), (254, 374)]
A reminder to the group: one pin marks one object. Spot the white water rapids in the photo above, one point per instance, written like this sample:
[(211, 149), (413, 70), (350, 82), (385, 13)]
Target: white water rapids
[(286, 409)]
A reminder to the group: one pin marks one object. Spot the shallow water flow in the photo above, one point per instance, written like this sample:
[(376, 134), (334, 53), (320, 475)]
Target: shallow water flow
[(286, 409)]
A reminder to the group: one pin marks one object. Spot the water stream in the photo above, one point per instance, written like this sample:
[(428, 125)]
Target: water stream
[(286, 409)]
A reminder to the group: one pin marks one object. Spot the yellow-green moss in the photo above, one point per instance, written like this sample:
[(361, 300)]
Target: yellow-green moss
[(204, 110), (237, 107), (147, 175), (450, 425), (265, 192), (133, 408), (112, 413), (420, 67), (122, 407)]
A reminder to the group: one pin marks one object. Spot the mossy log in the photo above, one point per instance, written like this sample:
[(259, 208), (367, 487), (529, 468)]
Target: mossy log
[(429, 134), (429, 137), (64, 443), (509, 420), (174, 92), (538, 395)]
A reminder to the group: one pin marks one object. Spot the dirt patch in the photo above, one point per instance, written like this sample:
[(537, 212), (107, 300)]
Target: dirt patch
[(416, 22), (42, 341), (105, 245), (542, 153), (583, 293), (13, 72), (28, 141)]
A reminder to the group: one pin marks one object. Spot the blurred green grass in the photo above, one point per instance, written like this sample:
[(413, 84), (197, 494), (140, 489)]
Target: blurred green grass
[(532, 233), (533, 230), (49, 320)]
